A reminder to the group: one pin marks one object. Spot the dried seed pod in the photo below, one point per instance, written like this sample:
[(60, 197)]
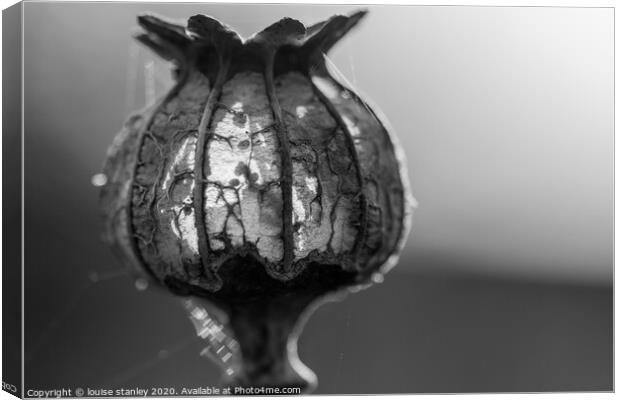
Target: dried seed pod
[(259, 182)]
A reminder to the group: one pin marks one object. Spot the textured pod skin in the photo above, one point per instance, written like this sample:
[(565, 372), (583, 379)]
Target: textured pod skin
[(258, 182)]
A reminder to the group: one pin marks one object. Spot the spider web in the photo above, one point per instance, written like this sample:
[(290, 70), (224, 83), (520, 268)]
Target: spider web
[(147, 78)]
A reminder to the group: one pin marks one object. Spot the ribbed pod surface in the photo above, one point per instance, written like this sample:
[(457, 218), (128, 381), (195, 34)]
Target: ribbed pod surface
[(256, 152)]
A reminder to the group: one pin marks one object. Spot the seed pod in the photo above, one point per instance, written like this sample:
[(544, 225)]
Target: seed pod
[(259, 182)]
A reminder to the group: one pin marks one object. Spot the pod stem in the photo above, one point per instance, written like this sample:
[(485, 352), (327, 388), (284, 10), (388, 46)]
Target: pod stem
[(266, 334)]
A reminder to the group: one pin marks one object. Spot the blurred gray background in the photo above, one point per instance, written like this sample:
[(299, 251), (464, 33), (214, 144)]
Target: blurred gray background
[(506, 117)]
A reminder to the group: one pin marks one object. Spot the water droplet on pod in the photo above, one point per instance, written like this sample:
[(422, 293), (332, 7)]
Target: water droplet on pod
[(141, 284), (99, 180)]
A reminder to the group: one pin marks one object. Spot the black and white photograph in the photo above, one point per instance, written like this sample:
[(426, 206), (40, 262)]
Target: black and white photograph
[(212, 199)]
